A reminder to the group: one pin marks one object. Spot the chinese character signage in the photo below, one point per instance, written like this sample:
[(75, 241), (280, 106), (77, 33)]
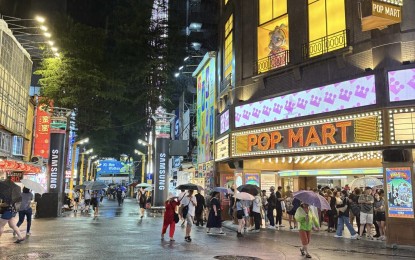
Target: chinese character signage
[(335, 97), (399, 190), (42, 132)]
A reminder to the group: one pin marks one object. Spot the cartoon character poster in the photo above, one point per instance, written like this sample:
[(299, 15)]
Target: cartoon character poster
[(252, 178), (399, 191), (206, 111)]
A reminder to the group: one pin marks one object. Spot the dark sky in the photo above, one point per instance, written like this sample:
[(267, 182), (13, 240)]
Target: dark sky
[(30, 8)]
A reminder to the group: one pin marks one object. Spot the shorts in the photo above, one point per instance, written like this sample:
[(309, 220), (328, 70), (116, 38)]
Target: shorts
[(366, 218), (76, 200), (189, 220), (380, 216), (95, 202), (87, 202), (240, 214), (142, 205)]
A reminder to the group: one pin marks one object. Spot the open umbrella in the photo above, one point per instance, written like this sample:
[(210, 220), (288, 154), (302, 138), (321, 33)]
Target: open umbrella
[(143, 185), (366, 181), (249, 188), (80, 187), (189, 186), (148, 189), (311, 198), (244, 196), (34, 186), (10, 192), (223, 190), (96, 185)]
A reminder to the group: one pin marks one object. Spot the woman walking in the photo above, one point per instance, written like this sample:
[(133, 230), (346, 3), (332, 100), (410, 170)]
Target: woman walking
[(379, 207), (240, 214), (7, 217), (142, 200), (306, 219), (25, 210), (168, 220), (215, 216), (95, 200), (76, 197)]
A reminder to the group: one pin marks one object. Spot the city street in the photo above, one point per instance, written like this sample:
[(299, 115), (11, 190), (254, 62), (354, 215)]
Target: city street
[(119, 233)]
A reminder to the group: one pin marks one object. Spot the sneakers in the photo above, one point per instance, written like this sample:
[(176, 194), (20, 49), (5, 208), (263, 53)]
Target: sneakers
[(382, 238), (221, 233), (337, 236), (239, 234), (18, 241), (28, 234), (370, 238), (272, 227), (188, 239), (355, 236), (255, 231)]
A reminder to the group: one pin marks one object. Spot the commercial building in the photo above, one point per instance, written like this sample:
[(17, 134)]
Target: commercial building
[(313, 92)]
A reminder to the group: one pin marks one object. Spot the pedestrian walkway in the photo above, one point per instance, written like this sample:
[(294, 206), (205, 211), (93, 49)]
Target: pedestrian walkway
[(119, 232)]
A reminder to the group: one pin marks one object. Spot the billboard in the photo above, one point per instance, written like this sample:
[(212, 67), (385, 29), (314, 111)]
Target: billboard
[(206, 109), (112, 167), (334, 97), (399, 191), (224, 122), (401, 85), (42, 132)]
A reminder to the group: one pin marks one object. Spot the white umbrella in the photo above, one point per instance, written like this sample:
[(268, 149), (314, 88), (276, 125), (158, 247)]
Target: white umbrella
[(366, 181), (244, 196), (34, 186)]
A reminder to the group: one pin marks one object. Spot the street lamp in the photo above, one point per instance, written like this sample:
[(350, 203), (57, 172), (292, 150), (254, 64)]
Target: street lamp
[(88, 171), (81, 172), (143, 164), (83, 141), (149, 154)]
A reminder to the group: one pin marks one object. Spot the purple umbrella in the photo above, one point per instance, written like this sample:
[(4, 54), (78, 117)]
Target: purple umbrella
[(311, 198)]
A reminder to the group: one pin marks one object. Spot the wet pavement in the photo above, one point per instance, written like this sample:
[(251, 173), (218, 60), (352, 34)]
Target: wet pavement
[(119, 232)]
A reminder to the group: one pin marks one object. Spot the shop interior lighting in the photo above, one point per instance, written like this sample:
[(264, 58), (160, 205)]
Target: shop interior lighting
[(40, 19), (312, 159), (269, 160), (283, 159), (305, 158), (297, 159), (276, 159), (290, 159)]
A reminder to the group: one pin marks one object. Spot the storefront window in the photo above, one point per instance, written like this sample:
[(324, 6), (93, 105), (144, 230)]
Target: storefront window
[(228, 67), (326, 26), (273, 37)]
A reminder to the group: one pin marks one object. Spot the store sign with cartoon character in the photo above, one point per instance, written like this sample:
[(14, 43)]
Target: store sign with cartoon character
[(399, 191)]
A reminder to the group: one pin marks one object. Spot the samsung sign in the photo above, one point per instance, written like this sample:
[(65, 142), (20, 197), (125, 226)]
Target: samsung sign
[(56, 160)]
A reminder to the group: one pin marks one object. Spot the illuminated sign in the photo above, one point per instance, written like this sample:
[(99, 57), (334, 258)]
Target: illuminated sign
[(380, 15), (222, 149), (327, 134), (111, 167), (224, 122), (401, 85), (252, 178), (399, 191), (332, 172), (339, 96), (42, 132), (402, 125)]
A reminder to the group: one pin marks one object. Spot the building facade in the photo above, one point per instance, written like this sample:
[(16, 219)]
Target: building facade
[(313, 92)]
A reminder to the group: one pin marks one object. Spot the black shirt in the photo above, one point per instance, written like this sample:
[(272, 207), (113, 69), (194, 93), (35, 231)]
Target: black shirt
[(271, 200), (277, 201)]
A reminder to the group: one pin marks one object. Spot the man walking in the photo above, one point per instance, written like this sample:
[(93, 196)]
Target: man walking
[(199, 208), (279, 199), (188, 204), (366, 212), (271, 206)]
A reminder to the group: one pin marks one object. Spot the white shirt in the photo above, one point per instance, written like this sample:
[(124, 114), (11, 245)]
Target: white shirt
[(87, 195), (257, 204), (186, 201)]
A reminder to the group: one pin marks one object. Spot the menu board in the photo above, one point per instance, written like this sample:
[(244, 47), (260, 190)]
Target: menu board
[(399, 192), (267, 180)]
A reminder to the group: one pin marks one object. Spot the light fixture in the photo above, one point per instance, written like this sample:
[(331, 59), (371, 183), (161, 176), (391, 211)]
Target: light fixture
[(181, 67), (48, 35), (177, 74), (54, 49), (40, 19), (43, 28), (51, 43), (186, 58)]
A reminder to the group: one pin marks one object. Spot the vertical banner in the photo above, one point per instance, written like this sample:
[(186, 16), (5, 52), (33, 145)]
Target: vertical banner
[(42, 132), (399, 190), (161, 176), (56, 162)]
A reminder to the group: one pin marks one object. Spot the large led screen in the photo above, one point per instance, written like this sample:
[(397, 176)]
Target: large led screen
[(224, 122), (401, 85), (339, 96)]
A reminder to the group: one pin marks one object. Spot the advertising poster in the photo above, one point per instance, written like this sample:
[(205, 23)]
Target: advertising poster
[(399, 191), (252, 178), (238, 179), (226, 180), (42, 132), (267, 180)]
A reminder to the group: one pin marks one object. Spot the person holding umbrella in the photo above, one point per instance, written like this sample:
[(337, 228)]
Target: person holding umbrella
[(141, 197), (25, 210), (305, 219), (188, 205), (215, 216)]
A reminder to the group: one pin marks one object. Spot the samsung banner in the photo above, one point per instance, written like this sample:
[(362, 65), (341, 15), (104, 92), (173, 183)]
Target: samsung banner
[(161, 176), (56, 162)]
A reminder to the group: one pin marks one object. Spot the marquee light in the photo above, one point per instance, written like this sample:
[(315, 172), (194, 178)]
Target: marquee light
[(394, 123)]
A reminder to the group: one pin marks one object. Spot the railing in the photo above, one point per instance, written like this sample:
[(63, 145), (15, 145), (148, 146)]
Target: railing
[(326, 44), (271, 62), (225, 84)]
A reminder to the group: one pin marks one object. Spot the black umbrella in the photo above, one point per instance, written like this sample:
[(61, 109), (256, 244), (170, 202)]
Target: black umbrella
[(10, 192), (189, 186), (250, 188)]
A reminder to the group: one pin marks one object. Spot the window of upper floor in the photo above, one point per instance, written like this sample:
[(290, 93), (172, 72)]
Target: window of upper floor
[(273, 37), (326, 27), (18, 144), (5, 142)]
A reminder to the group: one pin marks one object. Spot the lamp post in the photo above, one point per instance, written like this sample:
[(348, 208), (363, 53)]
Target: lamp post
[(150, 156), (88, 172), (143, 164), (81, 172), (83, 141)]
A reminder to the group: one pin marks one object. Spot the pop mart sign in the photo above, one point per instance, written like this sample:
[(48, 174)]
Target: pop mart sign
[(352, 131)]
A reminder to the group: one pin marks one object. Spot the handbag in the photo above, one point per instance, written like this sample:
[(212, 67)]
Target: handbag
[(148, 205), (176, 217)]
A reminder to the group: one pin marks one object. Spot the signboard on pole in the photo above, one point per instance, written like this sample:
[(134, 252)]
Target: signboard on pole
[(161, 176), (56, 162)]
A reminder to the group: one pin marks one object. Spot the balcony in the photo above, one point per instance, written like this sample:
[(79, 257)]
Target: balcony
[(271, 62), (326, 44), (225, 85)]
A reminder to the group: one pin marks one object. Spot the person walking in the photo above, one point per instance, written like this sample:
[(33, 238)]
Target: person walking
[(240, 214), (25, 210), (343, 209), (366, 201), (271, 206), (8, 212), (141, 198), (76, 197), (306, 220), (256, 212), (292, 205), (379, 207), (264, 200), (87, 197), (188, 205), (120, 195), (199, 208), (332, 212), (168, 219), (215, 214), (95, 200), (279, 208)]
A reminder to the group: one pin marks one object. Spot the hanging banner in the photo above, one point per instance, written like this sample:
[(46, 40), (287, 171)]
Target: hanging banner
[(399, 190), (161, 176), (56, 173)]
